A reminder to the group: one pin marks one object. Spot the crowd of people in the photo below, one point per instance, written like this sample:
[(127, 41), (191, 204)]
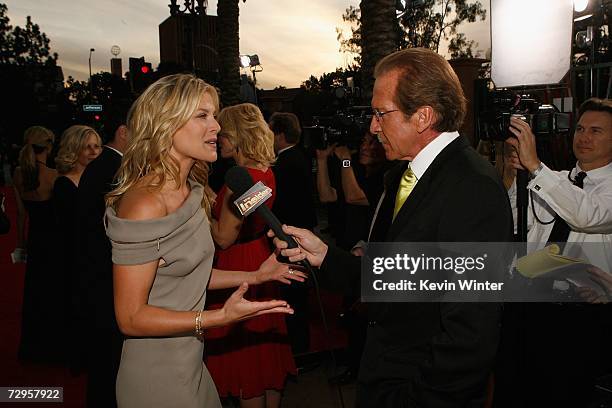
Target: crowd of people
[(183, 302), (47, 196)]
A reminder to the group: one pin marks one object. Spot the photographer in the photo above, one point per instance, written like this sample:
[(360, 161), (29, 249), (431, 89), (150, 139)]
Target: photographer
[(565, 206), (362, 184), (574, 206)]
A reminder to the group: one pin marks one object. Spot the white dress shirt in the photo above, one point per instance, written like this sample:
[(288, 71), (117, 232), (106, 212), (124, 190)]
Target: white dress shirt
[(425, 157), (588, 211), (284, 149), (115, 150)]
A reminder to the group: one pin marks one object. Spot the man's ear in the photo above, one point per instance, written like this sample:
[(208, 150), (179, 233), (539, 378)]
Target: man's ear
[(122, 133), (426, 118)]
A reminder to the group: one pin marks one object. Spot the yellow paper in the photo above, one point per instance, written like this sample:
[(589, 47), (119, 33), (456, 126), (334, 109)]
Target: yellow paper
[(543, 261)]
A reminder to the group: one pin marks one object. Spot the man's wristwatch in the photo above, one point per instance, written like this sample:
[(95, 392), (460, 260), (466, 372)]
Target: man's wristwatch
[(346, 163), (537, 171)]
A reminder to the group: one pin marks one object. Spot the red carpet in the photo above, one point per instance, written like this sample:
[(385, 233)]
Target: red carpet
[(12, 372)]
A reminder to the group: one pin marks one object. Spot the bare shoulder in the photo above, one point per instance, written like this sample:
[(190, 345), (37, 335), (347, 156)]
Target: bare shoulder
[(140, 203), (50, 175), (51, 172)]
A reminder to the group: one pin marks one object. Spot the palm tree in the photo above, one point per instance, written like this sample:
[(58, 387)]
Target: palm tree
[(228, 47), (379, 37)]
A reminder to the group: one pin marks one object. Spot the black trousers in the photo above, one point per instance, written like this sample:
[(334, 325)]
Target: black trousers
[(552, 354)]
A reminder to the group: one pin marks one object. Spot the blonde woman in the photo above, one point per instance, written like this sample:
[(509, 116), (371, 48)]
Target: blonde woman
[(158, 223), (252, 359), (33, 182), (79, 145)]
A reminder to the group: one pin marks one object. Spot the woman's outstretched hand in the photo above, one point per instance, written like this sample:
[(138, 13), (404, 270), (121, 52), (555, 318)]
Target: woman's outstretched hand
[(237, 308)]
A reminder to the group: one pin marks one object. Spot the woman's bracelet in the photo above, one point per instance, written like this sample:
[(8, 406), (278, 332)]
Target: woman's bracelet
[(199, 330)]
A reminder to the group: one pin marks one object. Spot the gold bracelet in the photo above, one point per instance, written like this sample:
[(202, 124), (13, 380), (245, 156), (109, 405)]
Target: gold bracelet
[(199, 330)]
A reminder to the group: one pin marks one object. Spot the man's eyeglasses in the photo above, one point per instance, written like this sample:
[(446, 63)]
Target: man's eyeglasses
[(379, 115)]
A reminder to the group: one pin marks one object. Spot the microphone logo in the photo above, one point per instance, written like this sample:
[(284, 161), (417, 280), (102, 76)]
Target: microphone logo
[(253, 198)]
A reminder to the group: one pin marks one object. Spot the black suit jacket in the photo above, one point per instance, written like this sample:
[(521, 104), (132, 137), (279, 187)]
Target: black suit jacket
[(432, 354), (294, 203), (94, 249)]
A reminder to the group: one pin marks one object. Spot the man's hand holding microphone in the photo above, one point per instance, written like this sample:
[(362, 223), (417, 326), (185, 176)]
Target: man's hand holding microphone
[(310, 247)]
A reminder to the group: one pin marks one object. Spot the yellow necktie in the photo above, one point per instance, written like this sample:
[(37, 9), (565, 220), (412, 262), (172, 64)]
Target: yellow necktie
[(405, 188)]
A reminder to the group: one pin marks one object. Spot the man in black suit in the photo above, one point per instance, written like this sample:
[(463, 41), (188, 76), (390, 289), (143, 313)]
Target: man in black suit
[(102, 337), (294, 206), (423, 354), (294, 195)]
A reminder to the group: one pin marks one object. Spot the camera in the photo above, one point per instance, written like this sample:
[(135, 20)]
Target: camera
[(501, 105), (345, 128)]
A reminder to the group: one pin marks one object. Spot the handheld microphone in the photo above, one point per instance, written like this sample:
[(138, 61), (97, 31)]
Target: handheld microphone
[(239, 181)]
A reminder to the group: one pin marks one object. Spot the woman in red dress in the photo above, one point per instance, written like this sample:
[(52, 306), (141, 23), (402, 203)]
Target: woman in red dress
[(249, 360)]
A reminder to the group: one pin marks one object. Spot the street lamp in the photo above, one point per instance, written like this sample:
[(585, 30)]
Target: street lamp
[(252, 62), (90, 81)]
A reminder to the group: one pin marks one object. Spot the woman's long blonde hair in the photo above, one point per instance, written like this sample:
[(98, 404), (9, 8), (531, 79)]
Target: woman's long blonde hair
[(35, 140), (74, 140), (161, 110), (244, 126)]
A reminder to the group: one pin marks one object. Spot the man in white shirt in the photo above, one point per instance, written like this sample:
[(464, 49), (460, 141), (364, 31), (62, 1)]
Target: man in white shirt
[(588, 210), (558, 350)]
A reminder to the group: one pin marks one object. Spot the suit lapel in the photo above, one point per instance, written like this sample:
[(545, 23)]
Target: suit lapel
[(385, 212), (423, 187)]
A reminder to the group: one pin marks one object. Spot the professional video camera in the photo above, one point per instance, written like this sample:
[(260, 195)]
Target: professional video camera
[(346, 128), (501, 105)]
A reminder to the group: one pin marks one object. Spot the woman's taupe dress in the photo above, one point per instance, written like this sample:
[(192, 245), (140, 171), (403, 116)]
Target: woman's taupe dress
[(167, 371)]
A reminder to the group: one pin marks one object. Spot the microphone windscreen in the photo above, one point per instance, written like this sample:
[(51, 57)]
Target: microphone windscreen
[(238, 180)]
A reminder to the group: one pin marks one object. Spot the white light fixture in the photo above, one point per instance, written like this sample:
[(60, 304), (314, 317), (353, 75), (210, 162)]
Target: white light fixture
[(249, 60), (532, 48), (580, 5), (245, 61)]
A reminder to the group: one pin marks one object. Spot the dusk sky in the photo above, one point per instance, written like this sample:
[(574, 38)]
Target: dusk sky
[(293, 39)]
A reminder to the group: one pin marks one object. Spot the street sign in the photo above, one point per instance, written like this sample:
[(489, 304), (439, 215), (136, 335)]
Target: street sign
[(92, 108)]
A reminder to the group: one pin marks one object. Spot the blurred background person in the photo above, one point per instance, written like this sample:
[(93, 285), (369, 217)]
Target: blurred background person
[(94, 293), (33, 183), (78, 147), (331, 194), (361, 186), (293, 205), (252, 359)]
